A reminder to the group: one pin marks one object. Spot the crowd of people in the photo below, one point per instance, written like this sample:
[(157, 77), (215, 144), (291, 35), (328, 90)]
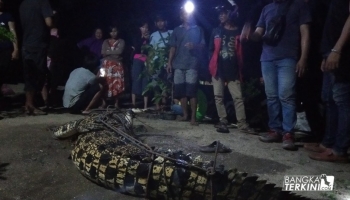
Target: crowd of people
[(283, 28)]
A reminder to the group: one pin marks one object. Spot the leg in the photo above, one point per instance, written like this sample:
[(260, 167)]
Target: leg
[(116, 102), (236, 93), (218, 87), (286, 92), (179, 91), (136, 85), (331, 111), (193, 103), (184, 109), (269, 73), (341, 96), (145, 102), (191, 83), (133, 100), (341, 138), (88, 99)]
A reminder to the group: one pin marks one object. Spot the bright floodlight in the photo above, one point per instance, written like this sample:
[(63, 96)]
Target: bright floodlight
[(189, 7)]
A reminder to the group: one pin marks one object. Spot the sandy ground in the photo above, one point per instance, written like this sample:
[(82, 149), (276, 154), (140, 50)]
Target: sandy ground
[(35, 166)]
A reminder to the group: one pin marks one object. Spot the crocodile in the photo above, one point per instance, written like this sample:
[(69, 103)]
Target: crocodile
[(107, 154)]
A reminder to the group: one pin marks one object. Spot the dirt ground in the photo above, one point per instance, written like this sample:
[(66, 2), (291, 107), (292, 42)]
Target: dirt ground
[(35, 166)]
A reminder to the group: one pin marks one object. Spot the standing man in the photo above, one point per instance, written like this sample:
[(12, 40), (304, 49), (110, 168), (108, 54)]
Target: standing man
[(225, 66), (186, 42), (8, 48), (281, 63), (36, 23), (336, 85), (160, 42), (160, 38)]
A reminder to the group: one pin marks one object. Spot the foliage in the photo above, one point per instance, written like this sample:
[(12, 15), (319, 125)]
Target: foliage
[(250, 90), (6, 34), (157, 58)]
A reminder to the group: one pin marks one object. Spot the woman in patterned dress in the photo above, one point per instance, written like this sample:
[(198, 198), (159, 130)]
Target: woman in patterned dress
[(112, 66)]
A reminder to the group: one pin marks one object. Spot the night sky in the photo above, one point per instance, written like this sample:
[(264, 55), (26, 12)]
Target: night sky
[(76, 19)]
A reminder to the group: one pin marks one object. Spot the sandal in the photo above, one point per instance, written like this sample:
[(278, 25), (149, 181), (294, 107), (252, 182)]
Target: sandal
[(211, 148)]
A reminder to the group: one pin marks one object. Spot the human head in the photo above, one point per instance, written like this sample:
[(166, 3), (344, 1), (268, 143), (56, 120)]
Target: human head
[(160, 22), (91, 62), (98, 33), (143, 26), (113, 32), (228, 13)]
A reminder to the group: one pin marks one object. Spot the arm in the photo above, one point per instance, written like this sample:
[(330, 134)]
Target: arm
[(305, 45), (332, 61), (15, 44), (117, 51), (170, 60), (47, 13), (257, 35), (104, 48)]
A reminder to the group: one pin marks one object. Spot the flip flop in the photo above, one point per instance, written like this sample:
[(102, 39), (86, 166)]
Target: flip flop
[(85, 112), (212, 147)]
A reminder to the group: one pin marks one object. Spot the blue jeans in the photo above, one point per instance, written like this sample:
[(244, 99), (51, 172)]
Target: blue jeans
[(280, 78), (336, 96)]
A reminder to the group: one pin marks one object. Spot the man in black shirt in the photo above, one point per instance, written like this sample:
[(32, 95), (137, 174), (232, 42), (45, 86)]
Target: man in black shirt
[(8, 48), (225, 66), (336, 85), (36, 20)]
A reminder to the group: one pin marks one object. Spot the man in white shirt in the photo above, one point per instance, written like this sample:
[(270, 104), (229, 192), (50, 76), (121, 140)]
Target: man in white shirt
[(159, 41), (160, 38), (84, 89)]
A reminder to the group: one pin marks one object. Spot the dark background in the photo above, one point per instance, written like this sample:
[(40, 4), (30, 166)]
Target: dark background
[(76, 19)]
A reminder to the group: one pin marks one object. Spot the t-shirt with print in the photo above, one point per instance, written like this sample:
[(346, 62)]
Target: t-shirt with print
[(35, 32), (289, 44), (78, 81), (5, 18), (185, 58), (227, 66), (157, 41)]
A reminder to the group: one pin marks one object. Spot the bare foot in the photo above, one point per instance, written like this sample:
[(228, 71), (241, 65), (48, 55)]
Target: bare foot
[(194, 123), (182, 119)]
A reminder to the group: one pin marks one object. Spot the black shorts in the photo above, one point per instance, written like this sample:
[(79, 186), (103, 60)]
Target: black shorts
[(85, 98), (5, 65), (34, 68)]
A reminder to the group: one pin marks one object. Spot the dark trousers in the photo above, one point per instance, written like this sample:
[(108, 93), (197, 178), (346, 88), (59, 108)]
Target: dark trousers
[(336, 96)]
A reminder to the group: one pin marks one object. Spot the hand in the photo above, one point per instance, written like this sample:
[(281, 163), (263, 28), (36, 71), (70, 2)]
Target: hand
[(301, 66), (332, 61), (146, 35), (169, 68), (261, 80), (245, 32), (189, 45), (14, 55)]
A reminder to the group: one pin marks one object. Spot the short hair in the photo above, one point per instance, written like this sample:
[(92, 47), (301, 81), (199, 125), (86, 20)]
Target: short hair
[(91, 62)]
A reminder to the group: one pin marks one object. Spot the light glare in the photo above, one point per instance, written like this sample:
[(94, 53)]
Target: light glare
[(189, 7)]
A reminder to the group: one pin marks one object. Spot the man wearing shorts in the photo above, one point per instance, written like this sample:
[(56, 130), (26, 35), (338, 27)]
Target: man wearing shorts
[(36, 20), (84, 89), (186, 42)]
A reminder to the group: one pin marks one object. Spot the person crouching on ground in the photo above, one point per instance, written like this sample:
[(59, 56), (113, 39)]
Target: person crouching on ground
[(84, 90), (112, 66), (186, 41), (225, 66)]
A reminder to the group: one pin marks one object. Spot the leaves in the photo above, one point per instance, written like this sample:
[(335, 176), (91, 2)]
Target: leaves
[(157, 58), (6, 34)]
